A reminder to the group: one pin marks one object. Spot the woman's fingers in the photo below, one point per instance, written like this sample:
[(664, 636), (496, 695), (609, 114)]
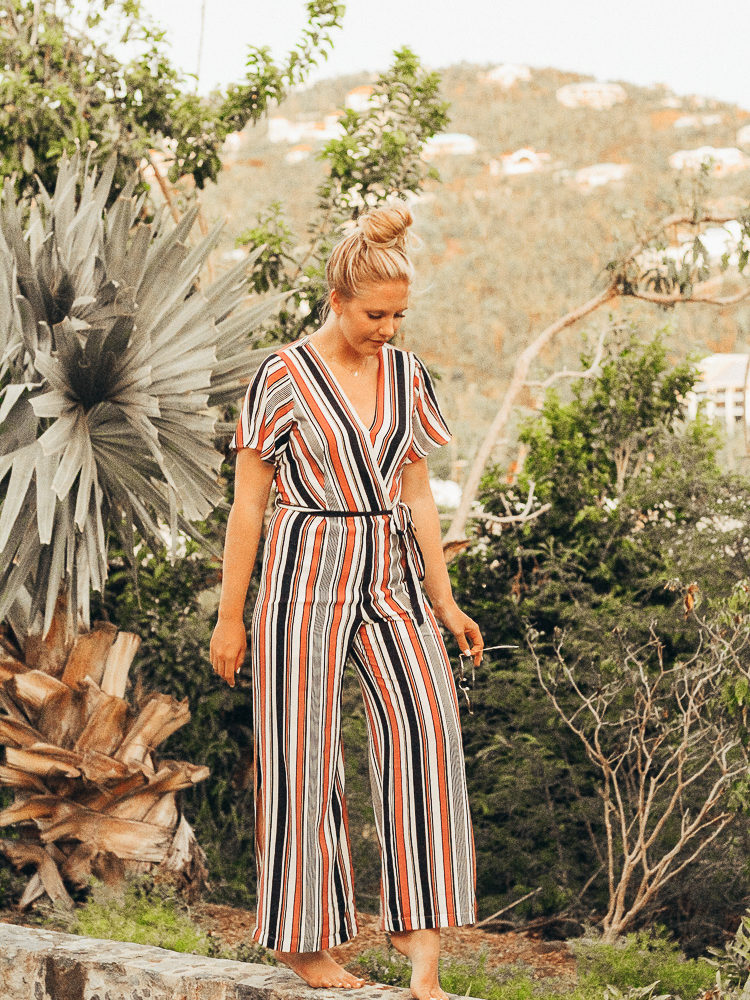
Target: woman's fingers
[(474, 638), (227, 649), (226, 666)]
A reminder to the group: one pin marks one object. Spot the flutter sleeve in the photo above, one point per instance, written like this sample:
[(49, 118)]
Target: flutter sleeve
[(266, 414), (429, 429)]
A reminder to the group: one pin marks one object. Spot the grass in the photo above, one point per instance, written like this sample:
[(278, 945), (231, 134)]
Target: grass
[(152, 913), (143, 913), (623, 969), (639, 959)]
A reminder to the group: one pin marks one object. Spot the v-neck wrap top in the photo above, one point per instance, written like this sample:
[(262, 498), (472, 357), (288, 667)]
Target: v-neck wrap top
[(328, 463)]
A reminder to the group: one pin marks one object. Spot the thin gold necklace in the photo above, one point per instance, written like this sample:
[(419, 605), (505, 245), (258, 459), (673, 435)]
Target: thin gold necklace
[(350, 371)]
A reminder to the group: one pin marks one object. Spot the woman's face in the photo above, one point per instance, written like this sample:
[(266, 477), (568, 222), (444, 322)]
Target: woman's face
[(372, 319)]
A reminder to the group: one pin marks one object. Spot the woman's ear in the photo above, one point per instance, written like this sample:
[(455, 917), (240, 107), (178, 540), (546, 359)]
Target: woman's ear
[(336, 302)]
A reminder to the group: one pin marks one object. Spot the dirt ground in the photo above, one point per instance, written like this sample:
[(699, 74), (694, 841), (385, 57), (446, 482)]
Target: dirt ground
[(539, 959)]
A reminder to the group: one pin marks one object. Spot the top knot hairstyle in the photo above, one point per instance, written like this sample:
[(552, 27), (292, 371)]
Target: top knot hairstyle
[(375, 250)]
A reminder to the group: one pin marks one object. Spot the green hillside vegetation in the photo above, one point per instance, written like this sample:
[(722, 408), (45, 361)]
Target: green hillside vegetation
[(505, 255)]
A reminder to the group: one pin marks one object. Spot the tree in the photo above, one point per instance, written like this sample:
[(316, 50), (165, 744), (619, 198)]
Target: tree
[(63, 90), (646, 272), (671, 752), (377, 158), (634, 496), (113, 356)]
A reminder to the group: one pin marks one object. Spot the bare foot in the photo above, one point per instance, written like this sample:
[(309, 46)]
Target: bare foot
[(422, 948), (318, 968)]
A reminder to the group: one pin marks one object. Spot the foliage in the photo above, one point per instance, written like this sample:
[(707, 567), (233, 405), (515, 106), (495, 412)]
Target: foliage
[(611, 972), (141, 911), (495, 266), (110, 346), (64, 89), (672, 759), (596, 561), (379, 153), (172, 608), (639, 959), (384, 966), (377, 158), (733, 959)]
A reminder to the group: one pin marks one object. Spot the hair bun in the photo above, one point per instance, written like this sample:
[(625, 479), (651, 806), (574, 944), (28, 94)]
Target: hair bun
[(385, 227)]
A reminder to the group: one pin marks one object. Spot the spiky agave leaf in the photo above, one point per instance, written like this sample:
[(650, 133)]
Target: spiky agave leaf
[(111, 356)]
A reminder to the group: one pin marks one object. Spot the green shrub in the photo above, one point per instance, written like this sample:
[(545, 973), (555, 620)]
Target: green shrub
[(469, 979), (383, 966), (641, 959), (142, 912)]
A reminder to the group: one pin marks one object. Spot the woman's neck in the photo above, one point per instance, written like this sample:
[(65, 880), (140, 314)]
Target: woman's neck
[(336, 347)]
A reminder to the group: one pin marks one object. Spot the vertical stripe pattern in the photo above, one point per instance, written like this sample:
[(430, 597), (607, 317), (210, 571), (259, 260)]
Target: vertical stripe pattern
[(332, 587)]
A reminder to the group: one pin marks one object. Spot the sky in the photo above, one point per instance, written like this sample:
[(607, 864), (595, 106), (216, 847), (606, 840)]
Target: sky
[(693, 46)]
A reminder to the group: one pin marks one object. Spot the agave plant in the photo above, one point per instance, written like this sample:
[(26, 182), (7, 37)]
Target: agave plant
[(113, 359)]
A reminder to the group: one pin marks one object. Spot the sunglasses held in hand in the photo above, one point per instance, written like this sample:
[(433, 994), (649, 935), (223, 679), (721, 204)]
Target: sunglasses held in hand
[(462, 679)]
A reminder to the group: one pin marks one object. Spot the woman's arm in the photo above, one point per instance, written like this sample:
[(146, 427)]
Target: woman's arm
[(416, 494), (252, 485)]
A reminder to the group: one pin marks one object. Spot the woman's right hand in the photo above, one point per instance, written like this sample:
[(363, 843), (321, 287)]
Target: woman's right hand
[(228, 645)]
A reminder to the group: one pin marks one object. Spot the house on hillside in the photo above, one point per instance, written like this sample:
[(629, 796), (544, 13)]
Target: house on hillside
[(591, 94), (281, 129), (743, 136), (599, 174), (233, 143), (303, 130), (724, 160), (697, 121), (298, 153), (717, 241), (360, 98), (520, 161), (724, 390), (507, 75), (449, 144), (724, 240)]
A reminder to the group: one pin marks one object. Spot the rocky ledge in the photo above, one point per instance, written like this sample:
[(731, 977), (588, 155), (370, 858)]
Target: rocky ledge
[(46, 965)]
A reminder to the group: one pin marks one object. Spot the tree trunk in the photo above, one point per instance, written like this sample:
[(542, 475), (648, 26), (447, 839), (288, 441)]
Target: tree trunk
[(90, 797)]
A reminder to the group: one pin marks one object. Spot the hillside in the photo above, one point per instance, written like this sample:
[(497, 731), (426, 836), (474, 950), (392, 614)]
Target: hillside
[(505, 254)]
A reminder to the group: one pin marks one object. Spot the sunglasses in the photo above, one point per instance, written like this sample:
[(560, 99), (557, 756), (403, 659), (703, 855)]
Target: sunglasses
[(462, 678)]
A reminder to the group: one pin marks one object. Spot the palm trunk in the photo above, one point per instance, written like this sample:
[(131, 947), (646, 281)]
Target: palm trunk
[(90, 797)]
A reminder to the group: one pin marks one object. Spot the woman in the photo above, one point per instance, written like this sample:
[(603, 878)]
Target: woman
[(342, 422)]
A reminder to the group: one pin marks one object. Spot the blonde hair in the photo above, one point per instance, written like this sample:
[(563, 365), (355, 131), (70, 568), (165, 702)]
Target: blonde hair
[(375, 250)]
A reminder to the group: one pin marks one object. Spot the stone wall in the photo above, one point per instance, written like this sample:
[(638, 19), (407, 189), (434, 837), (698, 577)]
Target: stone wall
[(46, 965)]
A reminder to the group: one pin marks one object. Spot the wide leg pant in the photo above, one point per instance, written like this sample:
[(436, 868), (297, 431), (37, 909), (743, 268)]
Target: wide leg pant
[(305, 882)]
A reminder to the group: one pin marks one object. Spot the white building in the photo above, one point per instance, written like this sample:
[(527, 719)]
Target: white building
[(233, 143), (721, 240), (295, 132), (724, 391), (724, 160), (599, 174), (298, 153), (520, 161), (743, 136), (717, 241), (449, 144), (508, 75), (591, 94), (697, 121), (360, 98)]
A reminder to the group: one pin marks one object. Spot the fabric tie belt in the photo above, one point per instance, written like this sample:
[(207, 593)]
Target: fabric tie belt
[(401, 520)]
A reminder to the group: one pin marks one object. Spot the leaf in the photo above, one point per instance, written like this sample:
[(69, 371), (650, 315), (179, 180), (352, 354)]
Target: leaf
[(44, 470), (18, 487)]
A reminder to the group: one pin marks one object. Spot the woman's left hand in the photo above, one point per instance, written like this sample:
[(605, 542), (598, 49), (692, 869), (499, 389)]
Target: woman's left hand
[(465, 630)]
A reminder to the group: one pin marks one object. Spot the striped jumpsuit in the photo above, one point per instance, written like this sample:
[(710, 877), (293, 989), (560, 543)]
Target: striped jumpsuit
[(335, 586)]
